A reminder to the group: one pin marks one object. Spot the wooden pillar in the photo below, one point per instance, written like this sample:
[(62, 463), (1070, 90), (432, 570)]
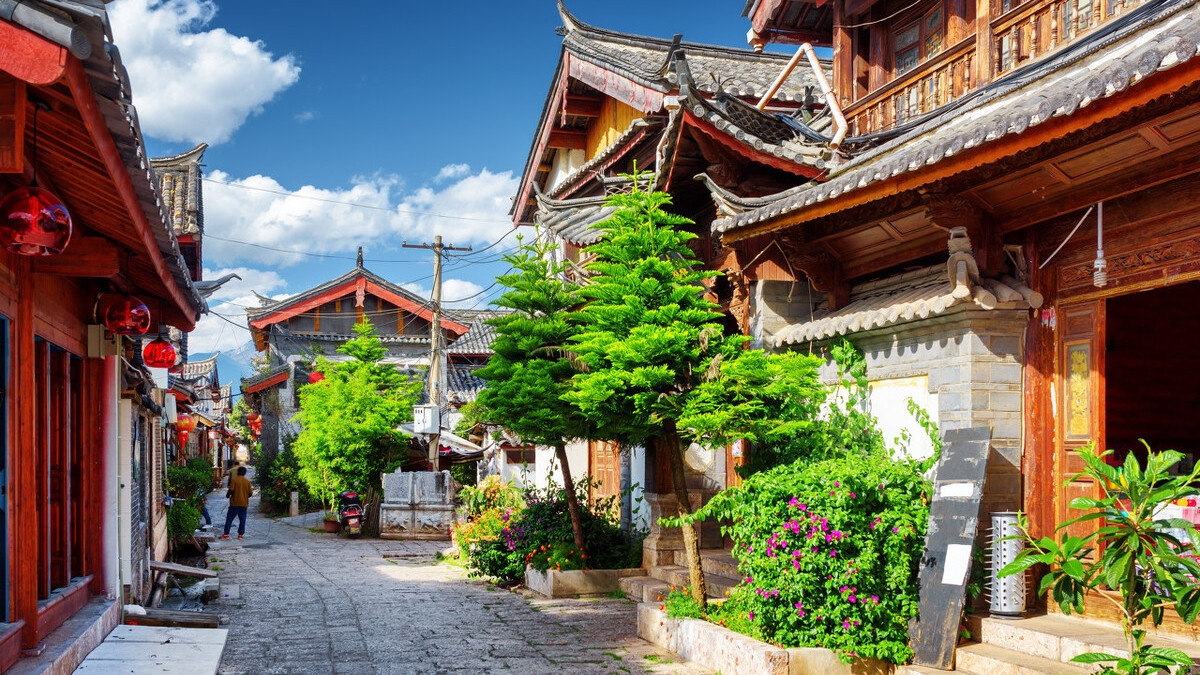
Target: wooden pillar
[(23, 492), (985, 50), (843, 57), (1041, 345), (98, 400)]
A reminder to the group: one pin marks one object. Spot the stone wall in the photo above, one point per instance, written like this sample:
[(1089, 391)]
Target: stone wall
[(417, 505), (973, 361)]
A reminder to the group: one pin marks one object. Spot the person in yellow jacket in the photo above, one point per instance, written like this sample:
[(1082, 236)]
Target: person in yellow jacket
[(239, 500)]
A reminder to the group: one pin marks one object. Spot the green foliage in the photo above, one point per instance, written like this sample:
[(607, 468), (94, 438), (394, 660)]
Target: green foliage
[(503, 535), (464, 474), (184, 482), (1148, 559), (829, 551), (529, 371), (490, 494), (277, 476), (182, 518), (349, 419), (681, 605)]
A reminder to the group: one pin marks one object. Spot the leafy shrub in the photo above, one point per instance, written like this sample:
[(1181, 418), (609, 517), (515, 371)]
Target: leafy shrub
[(182, 518), (509, 530), (681, 605), (185, 482), (490, 494), (277, 477), (829, 552)]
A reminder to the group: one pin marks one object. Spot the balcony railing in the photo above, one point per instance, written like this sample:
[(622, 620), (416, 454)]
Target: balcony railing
[(1021, 32), (927, 87)]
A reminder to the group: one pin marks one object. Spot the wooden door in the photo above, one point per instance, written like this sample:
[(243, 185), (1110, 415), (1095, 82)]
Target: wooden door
[(604, 464), (1081, 404)]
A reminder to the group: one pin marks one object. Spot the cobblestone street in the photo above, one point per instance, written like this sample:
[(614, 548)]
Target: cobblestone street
[(300, 601)]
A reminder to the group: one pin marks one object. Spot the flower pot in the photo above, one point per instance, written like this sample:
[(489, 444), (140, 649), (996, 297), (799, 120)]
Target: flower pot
[(332, 525)]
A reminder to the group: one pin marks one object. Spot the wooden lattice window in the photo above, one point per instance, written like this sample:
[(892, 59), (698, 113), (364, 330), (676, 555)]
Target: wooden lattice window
[(919, 41)]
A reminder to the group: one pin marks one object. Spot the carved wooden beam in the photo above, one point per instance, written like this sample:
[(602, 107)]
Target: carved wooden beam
[(947, 211), (569, 139), (12, 124), (94, 257), (825, 273)]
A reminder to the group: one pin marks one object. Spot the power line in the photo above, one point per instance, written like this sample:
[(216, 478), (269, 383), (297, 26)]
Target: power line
[(388, 209), (312, 255)]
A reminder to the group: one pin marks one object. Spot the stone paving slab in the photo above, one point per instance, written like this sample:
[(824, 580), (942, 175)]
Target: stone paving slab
[(312, 602), (156, 649)]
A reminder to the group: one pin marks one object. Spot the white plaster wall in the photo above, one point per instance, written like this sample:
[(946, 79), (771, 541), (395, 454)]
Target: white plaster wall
[(888, 402), (565, 163)]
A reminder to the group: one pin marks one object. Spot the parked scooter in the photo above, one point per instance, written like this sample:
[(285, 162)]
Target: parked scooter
[(350, 513)]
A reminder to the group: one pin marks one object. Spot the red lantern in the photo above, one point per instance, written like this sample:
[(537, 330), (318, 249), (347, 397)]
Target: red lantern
[(185, 423), (183, 436), (252, 417), (126, 316), (159, 354), (34, 222), (315, 377)]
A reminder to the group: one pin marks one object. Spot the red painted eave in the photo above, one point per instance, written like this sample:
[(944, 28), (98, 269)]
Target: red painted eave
[(278, 378)]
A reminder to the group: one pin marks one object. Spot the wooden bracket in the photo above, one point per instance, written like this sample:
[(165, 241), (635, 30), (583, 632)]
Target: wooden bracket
[(12, 124), (825, 273), (947, 211)]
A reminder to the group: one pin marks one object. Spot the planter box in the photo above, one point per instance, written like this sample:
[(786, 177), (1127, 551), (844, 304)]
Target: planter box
[(572, 583), (731, 653)]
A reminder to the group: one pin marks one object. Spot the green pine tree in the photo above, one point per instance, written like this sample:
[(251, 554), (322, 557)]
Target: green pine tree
[(530, 371), (349, 420), (656, 365)]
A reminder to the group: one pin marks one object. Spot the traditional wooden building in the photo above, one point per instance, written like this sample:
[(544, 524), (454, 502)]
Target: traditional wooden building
[(687, 116), (1008, 230), (67, 126), (292, 332)]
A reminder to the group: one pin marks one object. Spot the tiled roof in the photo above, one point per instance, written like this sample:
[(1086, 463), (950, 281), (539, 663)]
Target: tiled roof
[(575, 220), (270, 306), (644, 60), (478, 338), (900, 299), (182, 194), (1155, 36), (194, 369), (253, 382), (346, 337), (638, 126), (462, 386)]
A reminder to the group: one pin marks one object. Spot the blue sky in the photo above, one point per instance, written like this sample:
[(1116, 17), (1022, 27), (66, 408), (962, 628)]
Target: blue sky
[(368, 123)]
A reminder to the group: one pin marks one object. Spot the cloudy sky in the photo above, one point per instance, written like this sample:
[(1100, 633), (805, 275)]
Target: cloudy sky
[(369, 123)]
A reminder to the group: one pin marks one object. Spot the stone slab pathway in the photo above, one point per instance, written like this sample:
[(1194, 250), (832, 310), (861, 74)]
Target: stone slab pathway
[(309, 602), (142, 650)]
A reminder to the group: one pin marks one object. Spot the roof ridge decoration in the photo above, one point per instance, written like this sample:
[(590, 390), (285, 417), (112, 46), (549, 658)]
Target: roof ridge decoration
[(913, 296), (1073, 79)]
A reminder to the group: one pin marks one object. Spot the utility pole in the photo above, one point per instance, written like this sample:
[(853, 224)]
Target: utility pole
[(437, 351)]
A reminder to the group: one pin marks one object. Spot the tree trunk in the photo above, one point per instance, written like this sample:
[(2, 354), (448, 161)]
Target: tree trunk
[(691, 541), (560, 451)]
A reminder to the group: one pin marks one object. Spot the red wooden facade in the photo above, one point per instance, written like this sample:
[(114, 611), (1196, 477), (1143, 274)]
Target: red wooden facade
[(1012, 119), (58, 420)]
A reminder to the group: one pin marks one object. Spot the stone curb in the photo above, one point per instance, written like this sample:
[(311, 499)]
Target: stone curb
[(731, 653)]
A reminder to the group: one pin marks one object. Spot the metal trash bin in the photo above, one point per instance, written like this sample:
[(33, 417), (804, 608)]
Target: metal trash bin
[(1008, 594)]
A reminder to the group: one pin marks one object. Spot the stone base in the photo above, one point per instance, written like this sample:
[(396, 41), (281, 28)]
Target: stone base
[(428, 522), (69, 644), (731, 653), (577, 583)]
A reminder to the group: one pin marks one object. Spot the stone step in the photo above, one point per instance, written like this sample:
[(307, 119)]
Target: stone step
[(712, 561), (1060, 638), (985, 659), (677, 575), (644, 589)]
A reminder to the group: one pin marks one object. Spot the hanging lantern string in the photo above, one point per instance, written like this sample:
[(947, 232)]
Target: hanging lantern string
[(38, 104)]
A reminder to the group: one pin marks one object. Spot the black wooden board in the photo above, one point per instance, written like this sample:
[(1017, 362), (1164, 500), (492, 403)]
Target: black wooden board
[(949, 541)]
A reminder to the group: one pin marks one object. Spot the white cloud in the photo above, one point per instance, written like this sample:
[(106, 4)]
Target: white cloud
[(453, 171), (191, 83), (372, 212), (455, 293), (224, 328), (306, 116)]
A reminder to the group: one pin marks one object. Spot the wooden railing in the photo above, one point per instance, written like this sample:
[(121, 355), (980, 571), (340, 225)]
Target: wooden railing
[(927, 87), (1032, 29), (1022, 31)]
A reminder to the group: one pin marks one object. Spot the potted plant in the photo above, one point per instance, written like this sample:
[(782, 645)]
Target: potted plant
[(332, 524)]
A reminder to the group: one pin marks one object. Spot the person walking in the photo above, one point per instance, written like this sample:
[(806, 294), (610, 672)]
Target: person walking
[(239, 500), (202, 495)]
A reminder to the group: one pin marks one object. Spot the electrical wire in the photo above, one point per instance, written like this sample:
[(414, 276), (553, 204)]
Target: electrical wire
[(306, 253)]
